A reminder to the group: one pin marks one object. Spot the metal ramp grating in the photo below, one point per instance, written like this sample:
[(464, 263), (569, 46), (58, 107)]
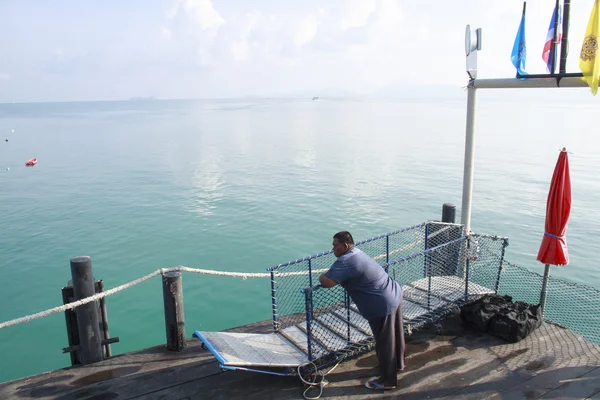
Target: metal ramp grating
[(447, 288), (355, 319), (252, 349), (340, 327), (329, 330), (298, 337), (324, 336)]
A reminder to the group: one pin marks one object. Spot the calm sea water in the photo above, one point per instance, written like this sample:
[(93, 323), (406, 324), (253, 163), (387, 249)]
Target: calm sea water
[(240, 185)]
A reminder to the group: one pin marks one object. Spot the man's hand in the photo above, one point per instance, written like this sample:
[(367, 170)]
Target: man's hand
[(326, 282)]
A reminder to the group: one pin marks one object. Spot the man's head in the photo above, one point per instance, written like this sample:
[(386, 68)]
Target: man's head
[(342, 242)]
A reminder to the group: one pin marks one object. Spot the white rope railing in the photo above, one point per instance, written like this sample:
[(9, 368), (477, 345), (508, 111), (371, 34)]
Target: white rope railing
[(98, 296), (243, 275)]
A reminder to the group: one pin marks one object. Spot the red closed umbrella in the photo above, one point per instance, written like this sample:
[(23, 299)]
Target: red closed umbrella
[(553, 249)]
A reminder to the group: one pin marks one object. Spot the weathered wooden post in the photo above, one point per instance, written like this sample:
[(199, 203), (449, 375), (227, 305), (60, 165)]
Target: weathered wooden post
[(449, 216), (174, 318), (448, 212), (68, 296), (103, 319), (90, 340)]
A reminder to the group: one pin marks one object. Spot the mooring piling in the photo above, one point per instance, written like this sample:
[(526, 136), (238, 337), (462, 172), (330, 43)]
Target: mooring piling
[(174, 316), (448, 212), (90, 341)]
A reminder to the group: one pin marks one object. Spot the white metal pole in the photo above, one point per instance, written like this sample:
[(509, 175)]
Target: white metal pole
[(508, 83), (467, 194)]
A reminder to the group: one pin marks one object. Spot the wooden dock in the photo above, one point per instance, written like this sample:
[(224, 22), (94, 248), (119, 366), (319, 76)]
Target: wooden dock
[(552, 363)]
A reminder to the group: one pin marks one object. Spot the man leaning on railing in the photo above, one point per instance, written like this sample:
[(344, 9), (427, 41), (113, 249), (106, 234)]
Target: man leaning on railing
[(379, 300)]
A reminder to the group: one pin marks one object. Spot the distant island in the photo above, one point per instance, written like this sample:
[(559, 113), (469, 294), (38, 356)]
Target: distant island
[(143, 98)]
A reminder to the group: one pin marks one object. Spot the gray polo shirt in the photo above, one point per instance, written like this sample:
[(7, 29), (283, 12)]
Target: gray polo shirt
[(373, 291)]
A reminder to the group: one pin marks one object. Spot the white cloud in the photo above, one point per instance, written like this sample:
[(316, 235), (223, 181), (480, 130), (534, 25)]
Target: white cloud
[(306, 31), (241, 49), (259, 38), (357, 13), (192, 26), (165, 33), (202, 11)]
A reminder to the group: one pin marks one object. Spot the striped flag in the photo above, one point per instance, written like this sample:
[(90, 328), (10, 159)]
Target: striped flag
[(550, 47)]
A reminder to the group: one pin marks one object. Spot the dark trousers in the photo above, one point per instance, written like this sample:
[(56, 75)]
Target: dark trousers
[(389, 345)]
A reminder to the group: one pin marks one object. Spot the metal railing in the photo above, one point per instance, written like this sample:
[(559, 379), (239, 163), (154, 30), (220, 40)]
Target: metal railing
[(288, 279), (436, 281)]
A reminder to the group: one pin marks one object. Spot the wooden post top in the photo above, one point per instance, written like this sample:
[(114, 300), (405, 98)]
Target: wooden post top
[(81, 259)]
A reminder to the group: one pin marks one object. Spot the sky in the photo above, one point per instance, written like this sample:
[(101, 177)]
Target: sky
[(68, 50)]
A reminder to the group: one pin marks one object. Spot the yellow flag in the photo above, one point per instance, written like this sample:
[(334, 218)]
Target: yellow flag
[(589, 59)]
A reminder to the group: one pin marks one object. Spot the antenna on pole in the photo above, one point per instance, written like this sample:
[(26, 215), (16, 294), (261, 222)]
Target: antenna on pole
[(472, 44)]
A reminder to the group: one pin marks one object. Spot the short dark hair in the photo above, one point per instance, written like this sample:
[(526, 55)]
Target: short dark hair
[(344, 237)]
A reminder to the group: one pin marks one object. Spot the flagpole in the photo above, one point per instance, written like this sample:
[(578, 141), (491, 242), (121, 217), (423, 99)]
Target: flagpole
[(555, 47), (564, 49)]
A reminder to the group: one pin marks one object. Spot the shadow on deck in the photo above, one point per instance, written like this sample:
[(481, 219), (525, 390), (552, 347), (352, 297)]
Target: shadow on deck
[(457, 364)]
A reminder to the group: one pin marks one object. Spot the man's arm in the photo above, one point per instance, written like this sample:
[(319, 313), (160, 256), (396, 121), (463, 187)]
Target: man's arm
[(326, 282)]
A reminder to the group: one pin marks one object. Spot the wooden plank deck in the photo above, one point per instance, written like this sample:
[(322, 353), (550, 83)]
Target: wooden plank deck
[(458, 364)]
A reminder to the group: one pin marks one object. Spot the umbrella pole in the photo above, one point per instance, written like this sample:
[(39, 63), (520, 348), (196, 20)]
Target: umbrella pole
[(544, 287)]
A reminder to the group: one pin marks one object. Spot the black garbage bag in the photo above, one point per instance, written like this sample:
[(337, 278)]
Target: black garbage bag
[(479, 314), (517, 322)]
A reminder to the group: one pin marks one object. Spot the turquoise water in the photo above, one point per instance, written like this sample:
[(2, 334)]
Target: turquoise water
[(240, 185)]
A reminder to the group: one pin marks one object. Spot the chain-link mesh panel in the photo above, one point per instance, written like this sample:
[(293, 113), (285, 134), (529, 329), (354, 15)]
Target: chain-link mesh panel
[(431, 234), (290, 278), (334, 327), (430, 283), (483, 256), (572, 305), (288, 282), (394, 244), (445, 260), (452, 272), (402, 245), (438, 268)]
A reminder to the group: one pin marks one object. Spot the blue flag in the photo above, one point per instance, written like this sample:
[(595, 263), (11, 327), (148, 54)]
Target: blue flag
[(519, 51)]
